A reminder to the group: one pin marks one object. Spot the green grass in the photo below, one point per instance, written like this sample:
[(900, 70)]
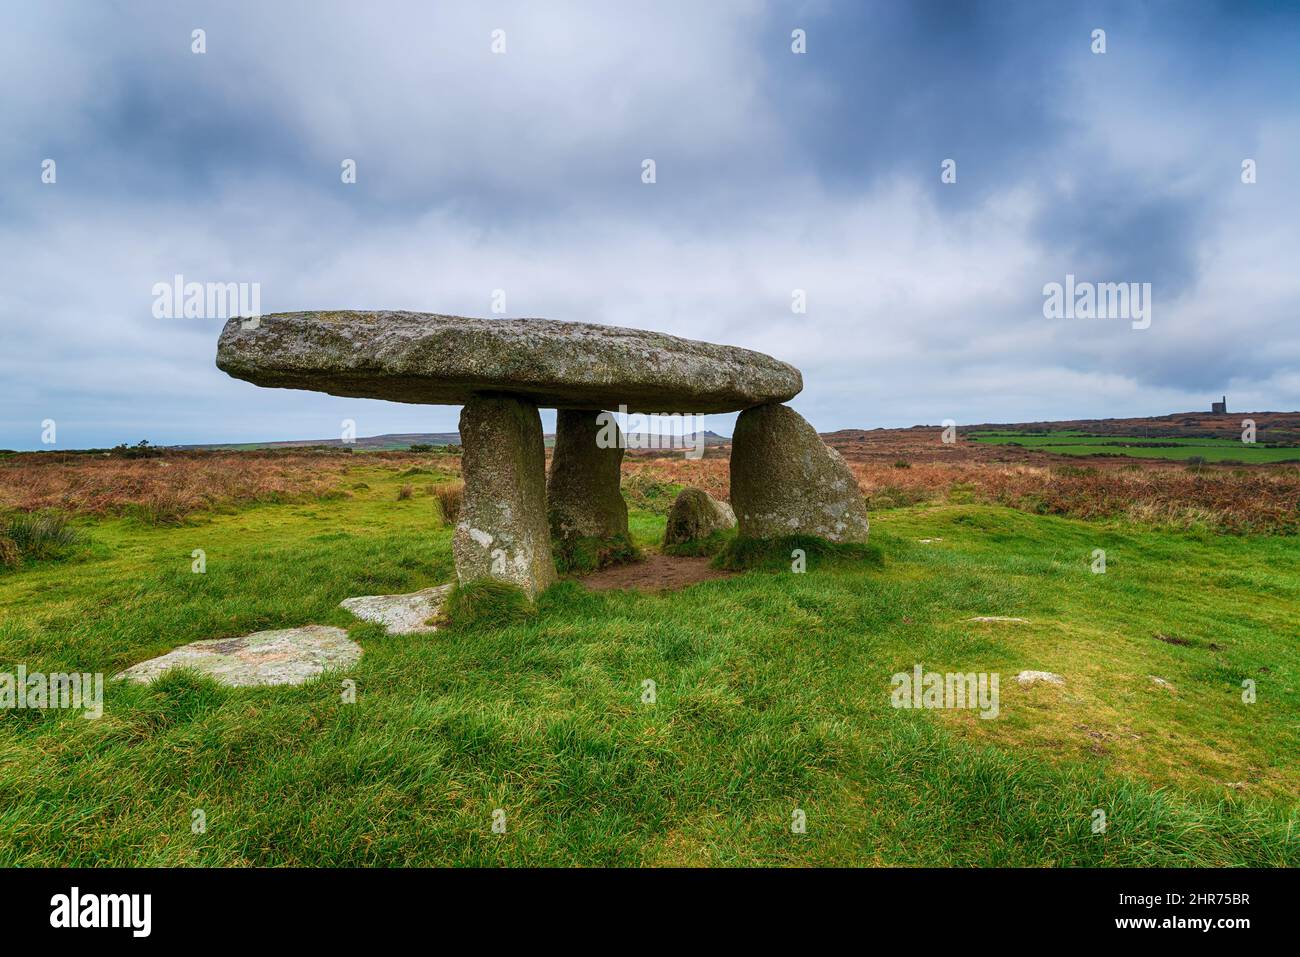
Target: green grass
[(486, 604), (706, 547), (793, 553), (1177, 449), (772, 694)]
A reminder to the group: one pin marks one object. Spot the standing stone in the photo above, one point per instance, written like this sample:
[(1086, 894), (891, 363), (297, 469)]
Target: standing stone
[(786, 481), (582, 491), (502, 532), (696, 515)]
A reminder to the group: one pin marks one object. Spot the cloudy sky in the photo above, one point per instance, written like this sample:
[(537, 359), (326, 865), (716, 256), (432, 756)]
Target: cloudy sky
[(775, 171)]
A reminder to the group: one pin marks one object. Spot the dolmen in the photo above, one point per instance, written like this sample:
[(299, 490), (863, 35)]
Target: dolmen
[(784, 479)]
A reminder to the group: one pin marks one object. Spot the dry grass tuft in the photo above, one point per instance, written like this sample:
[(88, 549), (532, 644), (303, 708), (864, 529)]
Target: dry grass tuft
[(651, 482), (10, 556), (449, 501)]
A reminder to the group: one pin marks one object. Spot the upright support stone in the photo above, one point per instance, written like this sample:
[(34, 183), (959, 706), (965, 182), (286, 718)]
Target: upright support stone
[(582, 491), (502, 532), (695, 516), (786, 481)]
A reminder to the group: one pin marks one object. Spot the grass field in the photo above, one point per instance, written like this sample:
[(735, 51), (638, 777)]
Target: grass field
[(1176, 449), (772, 694)]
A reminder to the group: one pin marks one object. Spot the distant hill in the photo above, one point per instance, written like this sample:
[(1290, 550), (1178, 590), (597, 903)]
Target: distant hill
[(1281, 427), (391, 442), (375, 443)]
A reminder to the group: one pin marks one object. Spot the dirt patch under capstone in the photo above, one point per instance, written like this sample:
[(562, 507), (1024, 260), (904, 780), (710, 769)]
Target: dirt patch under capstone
[(656, 573)]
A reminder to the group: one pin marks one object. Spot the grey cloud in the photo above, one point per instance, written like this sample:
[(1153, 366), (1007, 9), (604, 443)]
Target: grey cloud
[(776, 172)]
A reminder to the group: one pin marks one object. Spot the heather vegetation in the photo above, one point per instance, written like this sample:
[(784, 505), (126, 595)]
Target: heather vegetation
[(1216, 498)]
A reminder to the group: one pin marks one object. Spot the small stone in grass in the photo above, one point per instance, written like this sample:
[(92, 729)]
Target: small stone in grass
[(400, 614), (1027, 679)]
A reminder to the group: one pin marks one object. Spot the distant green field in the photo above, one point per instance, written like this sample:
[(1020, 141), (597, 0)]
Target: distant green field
[(1180, 449)]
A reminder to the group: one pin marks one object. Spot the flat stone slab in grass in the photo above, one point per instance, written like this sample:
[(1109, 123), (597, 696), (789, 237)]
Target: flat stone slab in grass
[(401, 614), (288, 656), (425, 358)]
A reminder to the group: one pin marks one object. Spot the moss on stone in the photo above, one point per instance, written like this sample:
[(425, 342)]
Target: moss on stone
[(587, 554)]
